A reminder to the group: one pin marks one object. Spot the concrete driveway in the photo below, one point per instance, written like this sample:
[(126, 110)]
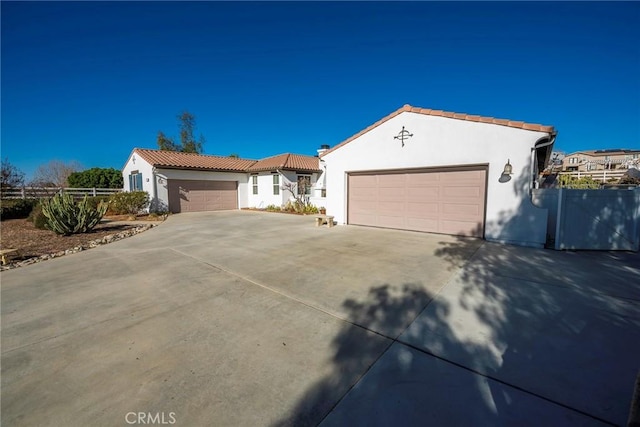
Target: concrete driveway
[(247, 318)]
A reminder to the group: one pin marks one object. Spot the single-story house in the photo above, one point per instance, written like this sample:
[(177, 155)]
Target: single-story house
[(442, 172), (188, 182), (415, 169)]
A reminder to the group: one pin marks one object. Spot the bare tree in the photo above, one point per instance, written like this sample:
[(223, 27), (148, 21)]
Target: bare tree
[(299, 191), (55, 173), (11, 175)]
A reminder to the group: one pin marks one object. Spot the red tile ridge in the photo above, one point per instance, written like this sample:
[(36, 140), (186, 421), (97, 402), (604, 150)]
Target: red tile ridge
[(448, 114)]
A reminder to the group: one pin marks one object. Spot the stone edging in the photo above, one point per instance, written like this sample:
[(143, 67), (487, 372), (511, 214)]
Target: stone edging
[(110, 238)]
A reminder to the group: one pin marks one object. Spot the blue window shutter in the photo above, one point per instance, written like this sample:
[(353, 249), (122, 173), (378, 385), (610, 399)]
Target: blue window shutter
[(139, 182), (130, 182)]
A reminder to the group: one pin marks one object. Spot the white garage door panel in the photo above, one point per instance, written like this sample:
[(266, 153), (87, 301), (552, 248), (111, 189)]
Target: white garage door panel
[(450, 202)]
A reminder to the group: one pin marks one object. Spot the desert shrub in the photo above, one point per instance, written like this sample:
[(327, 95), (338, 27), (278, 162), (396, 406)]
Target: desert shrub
[(299, 207), (273, 208), (131, 202), (289, 206), (38, 218), (66, 216), (94, 201), (310, 209), (16, 208)]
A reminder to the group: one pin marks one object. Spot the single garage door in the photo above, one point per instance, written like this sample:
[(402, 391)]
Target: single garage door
[(198, 196), (436, 201)]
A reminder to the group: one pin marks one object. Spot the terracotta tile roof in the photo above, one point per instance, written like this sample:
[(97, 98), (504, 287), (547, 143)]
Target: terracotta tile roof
[(458, 116), (287, 161), (177, 160)]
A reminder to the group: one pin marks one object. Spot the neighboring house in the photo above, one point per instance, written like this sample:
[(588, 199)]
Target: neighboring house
[(595, 163), (441, 172), (187, 182)]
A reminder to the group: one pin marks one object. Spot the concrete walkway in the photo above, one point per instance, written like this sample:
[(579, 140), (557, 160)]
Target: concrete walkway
[(248, 318)]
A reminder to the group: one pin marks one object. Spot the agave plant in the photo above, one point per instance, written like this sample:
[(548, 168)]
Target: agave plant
[(65, 216)]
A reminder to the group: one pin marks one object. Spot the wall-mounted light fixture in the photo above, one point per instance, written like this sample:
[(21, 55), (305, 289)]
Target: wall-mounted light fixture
[(506, 172), (508, 169), (403, 135)]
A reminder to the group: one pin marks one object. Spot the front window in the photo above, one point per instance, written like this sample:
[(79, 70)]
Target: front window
[(135, 181), (254, 182), (304, 185), (276, 184)]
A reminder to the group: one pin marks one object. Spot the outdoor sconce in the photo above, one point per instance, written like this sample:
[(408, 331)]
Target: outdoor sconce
[(404, 134), (508, 169), (507, 172)]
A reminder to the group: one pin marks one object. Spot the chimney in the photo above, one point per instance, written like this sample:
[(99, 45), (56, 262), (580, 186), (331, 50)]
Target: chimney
[(322, 149)]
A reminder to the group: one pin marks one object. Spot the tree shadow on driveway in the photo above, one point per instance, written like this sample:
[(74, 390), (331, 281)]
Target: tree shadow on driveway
[(518, 336), (404, 303)]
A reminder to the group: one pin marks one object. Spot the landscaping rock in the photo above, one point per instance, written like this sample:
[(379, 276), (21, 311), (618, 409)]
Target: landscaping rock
[(94, 243)]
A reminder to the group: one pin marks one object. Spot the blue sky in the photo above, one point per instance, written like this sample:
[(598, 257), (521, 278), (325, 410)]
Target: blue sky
[(89, 81)]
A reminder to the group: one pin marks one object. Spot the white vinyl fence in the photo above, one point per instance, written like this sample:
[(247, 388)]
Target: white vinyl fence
[(592, 219), (40, 192)]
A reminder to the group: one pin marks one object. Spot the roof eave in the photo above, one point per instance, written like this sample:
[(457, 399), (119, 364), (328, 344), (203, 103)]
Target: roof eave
[(159, 166)]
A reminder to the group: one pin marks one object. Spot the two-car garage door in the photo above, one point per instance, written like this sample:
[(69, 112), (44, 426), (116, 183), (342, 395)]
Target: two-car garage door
[(199, 195), (438, 201)]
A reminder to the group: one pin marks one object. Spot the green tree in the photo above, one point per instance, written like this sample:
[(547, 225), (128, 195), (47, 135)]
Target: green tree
[(11, 175), (96, 178), (188, 142), (165, 143)]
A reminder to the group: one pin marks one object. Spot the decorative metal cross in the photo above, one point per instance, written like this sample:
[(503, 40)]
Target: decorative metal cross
[(404, 134)]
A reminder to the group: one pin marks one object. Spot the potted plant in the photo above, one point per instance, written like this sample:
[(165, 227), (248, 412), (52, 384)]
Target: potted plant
[(323, 210)]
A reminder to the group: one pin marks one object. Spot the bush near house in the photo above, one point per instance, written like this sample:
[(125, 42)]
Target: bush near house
[(37, 217), (300, 208), (128, 202), (94, 201)]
